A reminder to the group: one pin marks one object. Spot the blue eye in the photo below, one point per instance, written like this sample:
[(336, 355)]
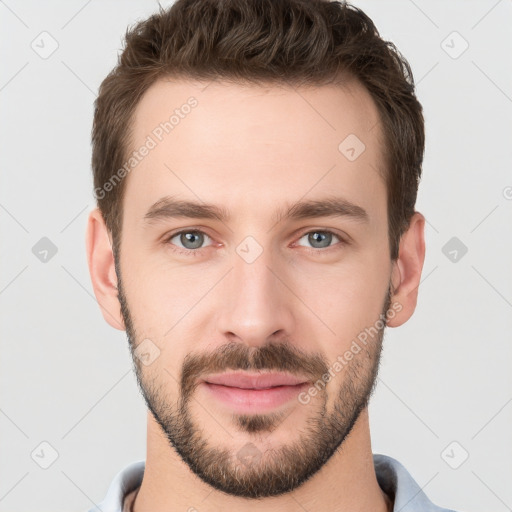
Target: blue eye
[(320, 239), (190, 240)]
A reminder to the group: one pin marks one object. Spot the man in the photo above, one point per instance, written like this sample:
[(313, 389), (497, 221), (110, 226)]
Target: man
[(256, 166)]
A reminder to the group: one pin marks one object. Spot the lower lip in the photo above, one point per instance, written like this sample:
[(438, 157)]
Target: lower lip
[(254, 400)]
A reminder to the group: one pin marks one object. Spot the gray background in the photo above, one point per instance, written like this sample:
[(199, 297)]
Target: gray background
[(66, 375)]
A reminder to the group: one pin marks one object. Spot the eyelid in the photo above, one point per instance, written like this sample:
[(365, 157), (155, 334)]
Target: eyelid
[(343, 239), (167, 238)]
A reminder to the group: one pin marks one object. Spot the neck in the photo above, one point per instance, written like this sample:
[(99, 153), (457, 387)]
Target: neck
[(346, 482)]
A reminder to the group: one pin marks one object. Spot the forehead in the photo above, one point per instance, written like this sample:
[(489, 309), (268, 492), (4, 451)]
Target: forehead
[(267, 144)]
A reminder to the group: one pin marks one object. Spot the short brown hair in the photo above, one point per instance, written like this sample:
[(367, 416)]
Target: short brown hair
[(297, 42)]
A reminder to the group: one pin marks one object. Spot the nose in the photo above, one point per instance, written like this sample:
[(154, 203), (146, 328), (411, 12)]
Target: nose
[(256, 305)]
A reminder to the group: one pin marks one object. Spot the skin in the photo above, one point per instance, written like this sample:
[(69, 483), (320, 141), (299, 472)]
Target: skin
[(254, 150)]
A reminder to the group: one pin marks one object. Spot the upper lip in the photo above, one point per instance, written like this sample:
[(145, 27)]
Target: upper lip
[(255, 381)]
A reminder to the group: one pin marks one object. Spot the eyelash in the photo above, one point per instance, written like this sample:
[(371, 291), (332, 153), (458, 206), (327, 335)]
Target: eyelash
[(197, 252)]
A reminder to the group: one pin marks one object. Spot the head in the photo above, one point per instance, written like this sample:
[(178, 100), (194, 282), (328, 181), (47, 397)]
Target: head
[(256, 167)]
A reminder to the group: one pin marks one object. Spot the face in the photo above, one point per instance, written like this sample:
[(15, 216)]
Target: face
[(281, 270)]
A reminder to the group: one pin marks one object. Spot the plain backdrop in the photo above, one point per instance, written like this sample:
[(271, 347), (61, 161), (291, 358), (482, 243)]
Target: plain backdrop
[(443, 405)]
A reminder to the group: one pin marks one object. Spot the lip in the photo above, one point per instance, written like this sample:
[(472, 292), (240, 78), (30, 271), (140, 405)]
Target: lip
[(253, 393), (244, 380)]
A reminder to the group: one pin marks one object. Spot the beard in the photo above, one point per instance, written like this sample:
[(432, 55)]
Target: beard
[(252, 472)]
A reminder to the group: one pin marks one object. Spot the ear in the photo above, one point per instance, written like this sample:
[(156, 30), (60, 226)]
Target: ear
[(100, 259), (406, 273)]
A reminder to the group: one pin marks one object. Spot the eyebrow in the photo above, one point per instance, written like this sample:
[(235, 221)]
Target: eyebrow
[(169, 207)]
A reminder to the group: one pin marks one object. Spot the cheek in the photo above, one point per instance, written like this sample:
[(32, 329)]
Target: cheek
[(347, 298), (153, 302), (167, 306)]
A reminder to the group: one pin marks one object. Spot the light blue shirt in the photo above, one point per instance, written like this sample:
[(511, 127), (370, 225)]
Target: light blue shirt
[(392, 477)]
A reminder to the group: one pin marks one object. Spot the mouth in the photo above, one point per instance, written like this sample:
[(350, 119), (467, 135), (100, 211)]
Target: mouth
[(245, 392), (244, 380)]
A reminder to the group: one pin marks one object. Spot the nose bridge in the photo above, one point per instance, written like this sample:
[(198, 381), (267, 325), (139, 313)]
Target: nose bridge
[(255, 305)]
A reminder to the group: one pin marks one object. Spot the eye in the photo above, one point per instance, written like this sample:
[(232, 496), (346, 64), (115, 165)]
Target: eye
[(320, 239), (189, 240)]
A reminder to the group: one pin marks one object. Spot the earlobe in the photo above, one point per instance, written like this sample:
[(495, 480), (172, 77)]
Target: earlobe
[(406, 273), (100, 260)]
